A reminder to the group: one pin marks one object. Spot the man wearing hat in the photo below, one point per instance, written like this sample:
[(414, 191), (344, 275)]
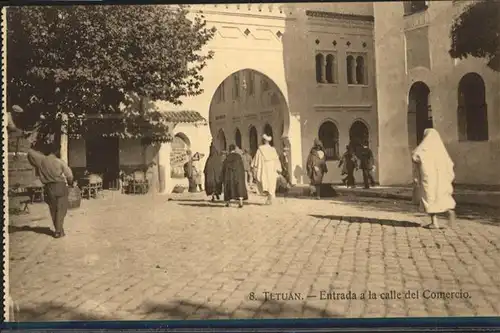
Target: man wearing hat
[(267, 168), (55, 174), (11, 125)]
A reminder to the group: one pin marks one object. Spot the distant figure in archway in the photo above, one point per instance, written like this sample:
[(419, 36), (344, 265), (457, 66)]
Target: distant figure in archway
[(233, 176), (316, 166), (190, 172), (267, 167), (198, 171), (435, 176)]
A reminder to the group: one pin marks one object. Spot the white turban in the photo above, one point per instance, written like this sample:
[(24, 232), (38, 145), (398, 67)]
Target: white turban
[(267, 137), (17, 108)]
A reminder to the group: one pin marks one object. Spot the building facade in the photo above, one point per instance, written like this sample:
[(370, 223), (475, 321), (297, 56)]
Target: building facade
[(296, 71), (343, 72), (419, 85)]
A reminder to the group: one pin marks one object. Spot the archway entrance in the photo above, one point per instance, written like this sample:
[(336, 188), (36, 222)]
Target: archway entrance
[(254, 140), (268, 130), (358, 135), (221, 141), (237, 138), (328, 134), (178, 156), (249, 99), (472, 109), (419, 113)]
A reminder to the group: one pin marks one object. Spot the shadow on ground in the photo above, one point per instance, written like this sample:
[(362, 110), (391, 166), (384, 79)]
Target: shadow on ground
[(208, 203), (482, 214), (176, 310), (269, 309), (359, 219), (27, 228)]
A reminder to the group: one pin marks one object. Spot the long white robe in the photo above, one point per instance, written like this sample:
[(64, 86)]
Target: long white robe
[(266, 165), (435, 173)]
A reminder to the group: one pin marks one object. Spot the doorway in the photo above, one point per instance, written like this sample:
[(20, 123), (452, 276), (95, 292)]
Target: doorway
[(103, 158), (419, 113)]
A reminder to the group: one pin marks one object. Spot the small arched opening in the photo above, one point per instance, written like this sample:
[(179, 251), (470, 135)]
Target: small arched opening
[(360, 70), (419, 113), (472, 109), (359, 135), (221, 141), (328, 133), (180, 145), (319, 67), (237, 138), (330, 68), (351, 66)]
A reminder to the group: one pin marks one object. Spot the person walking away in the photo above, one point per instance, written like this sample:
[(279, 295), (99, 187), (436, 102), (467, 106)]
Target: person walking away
[(435, 176), (233, 176), (213, 173), (266, 167), (316, 166), (247, 163), (198, 171), (189, 172), (349, 163), (367, 164), (55, 174)]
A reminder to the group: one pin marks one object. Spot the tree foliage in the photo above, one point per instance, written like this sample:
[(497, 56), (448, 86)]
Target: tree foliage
[(476, 32), (81, 60)]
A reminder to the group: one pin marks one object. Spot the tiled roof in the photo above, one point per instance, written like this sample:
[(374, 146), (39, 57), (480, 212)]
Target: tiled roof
[(185, 116)]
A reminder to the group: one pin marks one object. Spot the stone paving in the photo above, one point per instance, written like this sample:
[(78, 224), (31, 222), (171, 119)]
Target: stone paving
[(148, 257)]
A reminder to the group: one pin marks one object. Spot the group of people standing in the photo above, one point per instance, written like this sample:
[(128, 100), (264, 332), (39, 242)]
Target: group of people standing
[(232, 174), (354, 158), (358, 157)]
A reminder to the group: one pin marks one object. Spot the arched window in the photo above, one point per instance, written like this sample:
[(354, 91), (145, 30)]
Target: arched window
[(251, 83), (329, 136), (350, 69), (221, 140), (269, 131), (264, 84), (180, 144), (472, 108), (359, 135), (220, 94), (319, 67), (254, 142), (237, 138), (236, 85), (419, 113), (330, 68), (360, 70)]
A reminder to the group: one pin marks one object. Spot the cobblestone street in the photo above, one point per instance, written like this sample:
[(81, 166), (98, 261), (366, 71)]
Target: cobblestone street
[(148, 257)]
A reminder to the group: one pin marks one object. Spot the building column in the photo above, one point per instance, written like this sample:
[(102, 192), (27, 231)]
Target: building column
[(64, 138), (295, 139), (164, 176)]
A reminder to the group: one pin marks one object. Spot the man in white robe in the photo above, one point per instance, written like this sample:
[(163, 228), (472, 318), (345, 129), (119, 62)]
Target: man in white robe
[(266, 167)]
